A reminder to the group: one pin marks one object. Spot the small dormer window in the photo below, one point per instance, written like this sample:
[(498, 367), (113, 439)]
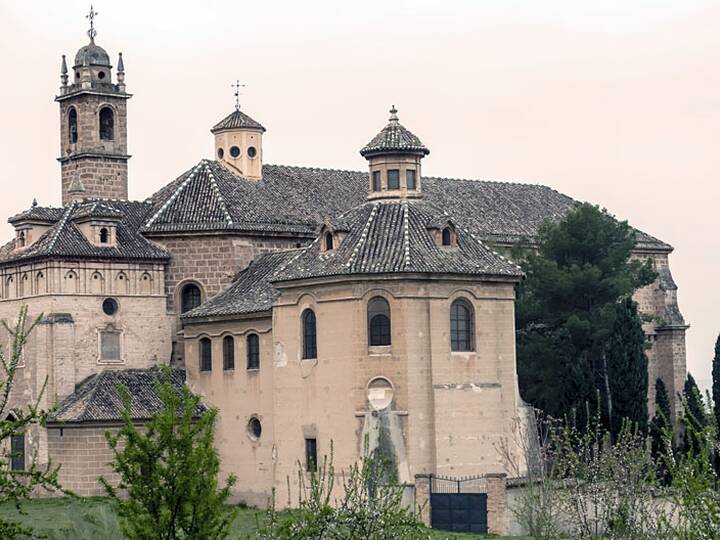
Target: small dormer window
[(329, 246), (447, 237), (21, 239), (104, 236), (393, 178)]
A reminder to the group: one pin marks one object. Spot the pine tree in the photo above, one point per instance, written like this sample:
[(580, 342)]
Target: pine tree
[(716, 383), (627, 375), (576, 272)]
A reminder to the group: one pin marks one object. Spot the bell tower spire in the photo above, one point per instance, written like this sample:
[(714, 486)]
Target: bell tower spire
[(93, 124)]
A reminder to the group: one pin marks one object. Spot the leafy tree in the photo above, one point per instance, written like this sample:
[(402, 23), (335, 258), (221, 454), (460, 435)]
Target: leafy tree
[(576, 273), (716, 383), (661, 428), (16, 486), (627, 369), (168, 470)]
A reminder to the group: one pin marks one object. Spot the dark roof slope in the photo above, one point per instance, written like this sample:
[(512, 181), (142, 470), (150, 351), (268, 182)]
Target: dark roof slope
[(45, 214), (64, 239), (297, 200), (236, 120), (395, 237), (251, 292), (97, 399)]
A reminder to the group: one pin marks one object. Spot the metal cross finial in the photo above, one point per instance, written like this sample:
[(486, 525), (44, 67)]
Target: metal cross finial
[(91, 17), (237, 86)]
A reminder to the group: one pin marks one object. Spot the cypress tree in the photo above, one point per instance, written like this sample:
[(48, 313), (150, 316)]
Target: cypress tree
[(661, 424), (695, 418), (626, 369), (716, 383)]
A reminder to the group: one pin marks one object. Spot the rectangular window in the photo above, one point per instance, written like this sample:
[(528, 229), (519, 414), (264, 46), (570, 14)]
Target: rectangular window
[(376, 184), (410, 177), (228, 353), (205, 355), (253, 351), (311, 455), (110, 346), (393, 176), (17, 452)]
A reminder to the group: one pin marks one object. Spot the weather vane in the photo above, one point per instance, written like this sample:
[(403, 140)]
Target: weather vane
[(91, 17), (237, 86)]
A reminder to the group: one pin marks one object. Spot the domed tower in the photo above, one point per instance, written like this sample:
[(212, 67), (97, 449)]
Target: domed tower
[(238, 144), (394, 157), (93, 125)]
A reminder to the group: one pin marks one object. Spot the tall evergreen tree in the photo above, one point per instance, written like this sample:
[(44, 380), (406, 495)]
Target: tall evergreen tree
[(716, 383), (695, 418), (662, 424), (576, 273), (626, 369)]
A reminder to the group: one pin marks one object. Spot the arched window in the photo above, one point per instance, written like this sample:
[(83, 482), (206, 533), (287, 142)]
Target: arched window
[(378, 321), (446, 237), (228, 353), (107, 124), (72, 126), (190, 297), (462, 326), (253, 351), (103, 236), (21, 239), (328, 241), (309, 334), (205, 354)]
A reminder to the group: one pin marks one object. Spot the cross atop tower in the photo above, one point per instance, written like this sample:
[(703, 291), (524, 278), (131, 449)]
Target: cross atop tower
[(91, 17), (237, 86)]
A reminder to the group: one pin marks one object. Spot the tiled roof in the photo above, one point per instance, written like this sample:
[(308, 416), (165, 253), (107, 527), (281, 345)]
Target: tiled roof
[(298, 200), (46, 214), (237, 120), (250, 292), (64, 239), (98, 210), (395, 237), (97, 399), (394, 138)]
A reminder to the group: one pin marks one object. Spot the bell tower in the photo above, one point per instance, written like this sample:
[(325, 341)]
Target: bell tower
[(93, 125)]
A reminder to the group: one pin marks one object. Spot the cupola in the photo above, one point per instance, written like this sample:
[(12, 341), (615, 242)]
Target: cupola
[(394, 157), (31, 224), (98, 222), (238, 144)]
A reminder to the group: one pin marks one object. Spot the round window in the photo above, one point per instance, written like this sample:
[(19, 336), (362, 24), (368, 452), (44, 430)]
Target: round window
[(380, 393), (234, 151), (251, 152), (109, 306), (101, 75), (254, 428), (221, 153)]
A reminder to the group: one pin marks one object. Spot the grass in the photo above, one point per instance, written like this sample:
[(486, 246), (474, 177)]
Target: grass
[(89, 518)]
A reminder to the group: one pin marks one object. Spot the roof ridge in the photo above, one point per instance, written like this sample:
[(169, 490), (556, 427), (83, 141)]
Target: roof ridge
[(218, 194), (176, 193), (363, 235), (93, 390), (61, 224), (406, 234)]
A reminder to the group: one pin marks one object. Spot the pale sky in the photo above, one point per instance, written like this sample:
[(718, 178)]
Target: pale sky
[(616, 102)]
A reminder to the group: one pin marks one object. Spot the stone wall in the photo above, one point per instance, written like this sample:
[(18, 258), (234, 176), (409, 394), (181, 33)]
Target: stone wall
[(84, 456)]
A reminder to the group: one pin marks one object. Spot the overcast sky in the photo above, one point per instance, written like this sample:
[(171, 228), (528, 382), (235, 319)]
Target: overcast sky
[(612, 101)]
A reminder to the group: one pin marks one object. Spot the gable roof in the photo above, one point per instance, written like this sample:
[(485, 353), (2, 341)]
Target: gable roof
[(250, 292), (65, 240), (394, 237), (96, 399)]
